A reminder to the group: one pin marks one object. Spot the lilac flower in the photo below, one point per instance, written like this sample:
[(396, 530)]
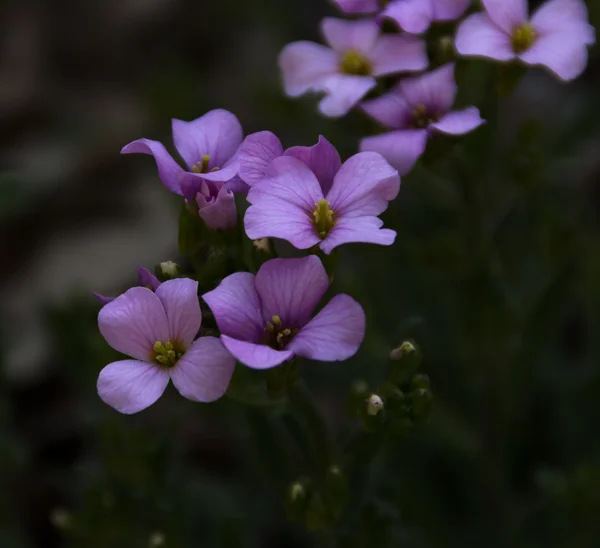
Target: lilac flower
[(157, 329), (209, 148), (266, 319), (294, 204), (556, 36), (347, 71), (145, 279), (413, 16), (414, 109)]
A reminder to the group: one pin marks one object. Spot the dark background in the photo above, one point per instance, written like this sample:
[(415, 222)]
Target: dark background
[(495, 272)]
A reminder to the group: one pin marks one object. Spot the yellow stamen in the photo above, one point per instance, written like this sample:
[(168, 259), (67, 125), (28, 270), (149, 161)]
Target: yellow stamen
[(202, 166), (167, 354), (523, 37), (354, 62), (323, 218)]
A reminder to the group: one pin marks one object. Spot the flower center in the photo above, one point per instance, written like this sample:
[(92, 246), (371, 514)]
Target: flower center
[(354, 62), (203, 165), (167, 354), (523, 37), (277, 335), (323, 218), (422, 118)]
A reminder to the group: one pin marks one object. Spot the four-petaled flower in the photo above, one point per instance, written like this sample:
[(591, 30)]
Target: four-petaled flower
[(556, 36), (209, 146), (346, 72), (413, 16), (145, 279), (306, 208), (157, 329), (266, 319), (416, 108)]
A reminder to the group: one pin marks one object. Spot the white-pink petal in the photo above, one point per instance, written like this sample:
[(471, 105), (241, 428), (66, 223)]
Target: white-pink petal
[(398, 53), (507, 14), (343, 92), (365, 230), (478, 35), (343, 35), (401, 148), (179, 298), (304, 66), (459, 122), (256, 356)]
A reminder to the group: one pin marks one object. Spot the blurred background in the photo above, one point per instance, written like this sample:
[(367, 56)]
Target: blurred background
[(495, 272)]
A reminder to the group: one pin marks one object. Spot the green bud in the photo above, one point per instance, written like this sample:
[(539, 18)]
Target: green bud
[(374, 405), (394, 397), (372, 412), (167, 271), (422, 405), (297, 499), (404, 361), (420, 380)]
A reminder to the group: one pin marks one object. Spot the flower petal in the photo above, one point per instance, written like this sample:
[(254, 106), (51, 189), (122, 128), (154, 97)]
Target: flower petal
[(103, 300), (283, 204), (217, 134), (436, 90), (168, 169), (343, 92), (323, 160), (203, 373), (147, 279), (256, 153), (564, 16), (358, 6), (507, 14), (130, 385), (391, 110), (133, 322), (448, 10), (256, 356), (365, 230), (400, 148), (304, 66), (343, 35), (459, 122), (363, 186), (397, 53), (413, 16), (218, 213), (236, 307), (180, 300), (334, 334), (478, 35), (291, 289)]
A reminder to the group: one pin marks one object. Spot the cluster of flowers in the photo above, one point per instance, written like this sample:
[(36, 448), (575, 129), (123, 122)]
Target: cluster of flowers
[(556, 36), (307, 196)]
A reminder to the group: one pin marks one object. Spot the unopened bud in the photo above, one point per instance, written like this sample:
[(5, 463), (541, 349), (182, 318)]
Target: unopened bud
[(263, 245), (156, 540), (168, 270), (297, 498), (420, 381), (404, 361), (374, 405), (422, 405)]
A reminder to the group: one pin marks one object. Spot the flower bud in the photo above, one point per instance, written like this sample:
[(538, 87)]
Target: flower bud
[(168, 271), (263, 245), (297, 498), (395, 400), (404, 361), (317, 517), (420, 381), (337, 488), (374, 405), (422, 405)]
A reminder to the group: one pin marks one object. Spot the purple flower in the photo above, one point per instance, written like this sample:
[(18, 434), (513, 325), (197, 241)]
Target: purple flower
[(145, 279), (293, 204), (347, 71), (556, 36), (157, 329), (413, 16), (414, 109), (209, 148), (260, 149), (266, 319)]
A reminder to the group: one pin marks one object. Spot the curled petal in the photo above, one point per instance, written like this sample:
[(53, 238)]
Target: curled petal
[(256, 153), (147, 279), (102, 299), (219, 213), (343, 36), (179, 297), (459, 122), (255, 356), (478, 35), (358, 230), (343, 92), (400, 148), (304, 66)]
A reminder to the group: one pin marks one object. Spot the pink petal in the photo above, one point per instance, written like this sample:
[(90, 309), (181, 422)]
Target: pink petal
[(225, 174), (133, 322), (291, 289), (391, 110), (400, 148), (334, 334), (323, 160), (168, 170), (358, 6), (256, 153), (236, 307), (283, 204), (413, 16), (358, 230), (130, 385), (448, 10), (256, 356), (203, 373), (459, 122), (147, 279), (179, 297), (304, 66), (218, 213), (507, 14), (102, 298), (343, 36), (343, 92), (397, 53), (363, 186), (569, 16), (436, 90), (478, 35), (217, 134)]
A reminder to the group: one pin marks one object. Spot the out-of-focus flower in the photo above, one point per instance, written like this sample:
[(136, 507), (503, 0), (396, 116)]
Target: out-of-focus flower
[(414, 109), (413, 16), (291, 203), (145, 278), (556, 36), (346, 70), (266, 319), (157, 329)]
